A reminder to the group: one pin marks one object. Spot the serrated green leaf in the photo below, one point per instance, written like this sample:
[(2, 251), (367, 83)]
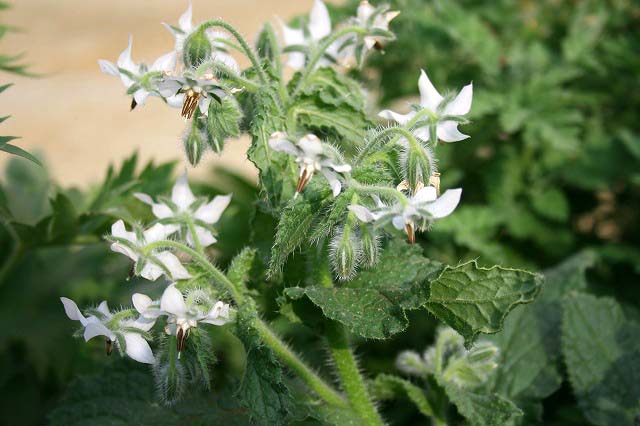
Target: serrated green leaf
[(373, 304), (602, 352), (222, 122), (476, 300), (482, 409)]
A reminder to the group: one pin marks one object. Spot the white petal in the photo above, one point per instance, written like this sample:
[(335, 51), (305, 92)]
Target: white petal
[(426, 194), (119, 248), (103, 308), (119, 230), (211, 212), (72, 311), (165, 62), (279, 142), (141, 96), (96, 328), (108, 67), (448, 132), (319, 21), (185, 22), (364, 11), (172, 302), (173, 264), (204, 103), (461, 105), (291, 36), (296, 60), (156, 233), (181, 194), (218, 315), (144, 323), (169, 87), (176, 101), (125, 61), (205, 237), (333, 180), (138, 349), (310, 145), (141, 302), (151, 271), (341, 168), (398, 222), (362, 213), (226, 59), (429, 96), (398, 118), (422, 133), (446, 204)]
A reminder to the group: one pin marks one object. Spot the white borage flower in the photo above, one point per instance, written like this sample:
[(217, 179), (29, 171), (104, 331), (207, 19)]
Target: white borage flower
[(375, 21), (416, 213), (317, 28), (183, 314), (313, 156), (156, 263), (122, 332), (190, 91), (185, 206), (134, 76), (218, 39), (445, 115)]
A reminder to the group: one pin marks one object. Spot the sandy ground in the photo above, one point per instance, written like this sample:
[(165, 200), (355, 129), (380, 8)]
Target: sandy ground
[(79, 118)]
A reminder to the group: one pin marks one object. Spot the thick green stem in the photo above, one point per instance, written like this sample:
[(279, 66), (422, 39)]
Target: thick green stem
[(319, 53), (277, 58), (316, 383), (352, 381)]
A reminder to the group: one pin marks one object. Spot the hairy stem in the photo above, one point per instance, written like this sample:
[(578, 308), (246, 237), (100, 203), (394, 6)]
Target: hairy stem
[(352, 381), (243, 44), (277, 58), (369, 147), (316, 383)]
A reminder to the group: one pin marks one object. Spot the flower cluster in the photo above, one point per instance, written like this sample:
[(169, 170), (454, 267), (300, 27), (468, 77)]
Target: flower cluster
[(188, 218)]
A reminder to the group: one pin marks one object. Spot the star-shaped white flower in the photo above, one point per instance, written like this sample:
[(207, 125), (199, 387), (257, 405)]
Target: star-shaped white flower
[(185, 28), (318, 27), (132, 74), (182, 315), (312, 155), (432, 101), (189, 92), (419, 210), (101, 324), (159, 262), (184, 203)]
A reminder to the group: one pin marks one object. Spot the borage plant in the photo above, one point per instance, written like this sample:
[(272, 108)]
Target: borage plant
[(346, 195)]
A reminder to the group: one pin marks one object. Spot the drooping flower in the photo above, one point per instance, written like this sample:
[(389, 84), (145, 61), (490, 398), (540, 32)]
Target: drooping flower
[(375, 23), (313, 156), (133, 75), (185, 28), (189, 92), (120, 332), (150, 266), (184, 206), (416, 213), (318, 27), (434, 110), (183, 314)]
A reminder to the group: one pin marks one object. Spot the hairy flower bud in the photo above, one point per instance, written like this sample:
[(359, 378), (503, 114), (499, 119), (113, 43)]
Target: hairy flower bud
[(346, 254), (197, 49), (222, 122), (194, 143), (370, 246)]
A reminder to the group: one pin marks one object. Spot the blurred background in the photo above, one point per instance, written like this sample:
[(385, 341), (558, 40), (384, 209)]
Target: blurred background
[(551, 174)]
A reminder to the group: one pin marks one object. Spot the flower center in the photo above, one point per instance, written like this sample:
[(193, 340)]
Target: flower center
[(190, 103)]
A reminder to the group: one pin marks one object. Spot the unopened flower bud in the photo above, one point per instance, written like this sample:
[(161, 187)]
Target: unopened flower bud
[(194, 145), (197, 49), (370, 247), (346, 253)]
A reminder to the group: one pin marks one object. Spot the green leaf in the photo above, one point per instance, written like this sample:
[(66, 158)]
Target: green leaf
[(475, 300), (14, 150), (481, 409), (332, 88), (222, 122), (386, 386), (373, 304), (602, 354), (124, 394)]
